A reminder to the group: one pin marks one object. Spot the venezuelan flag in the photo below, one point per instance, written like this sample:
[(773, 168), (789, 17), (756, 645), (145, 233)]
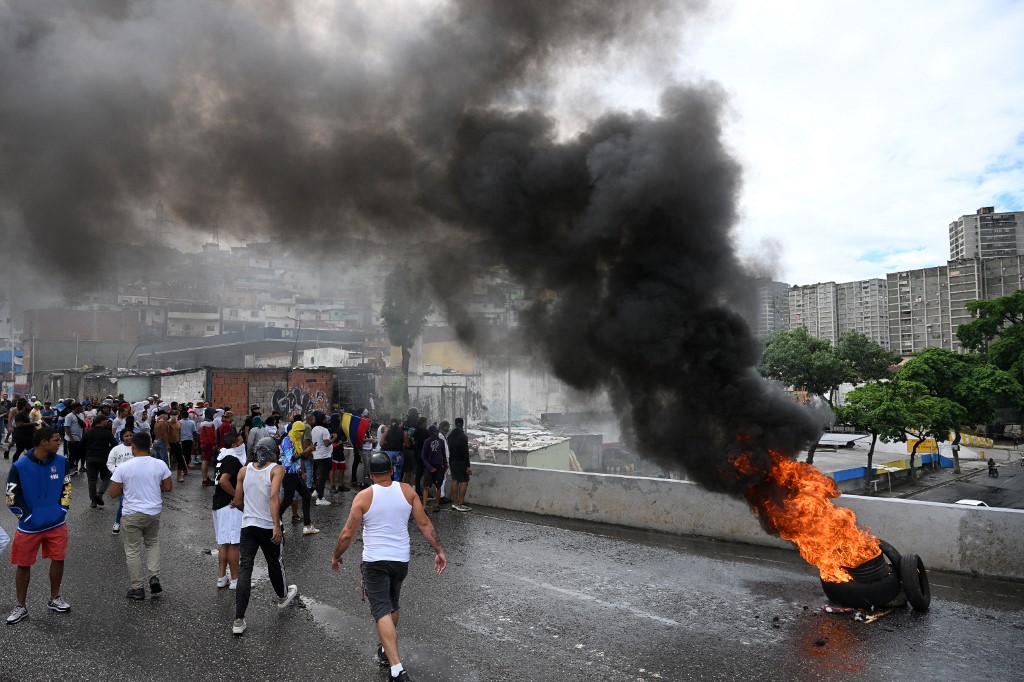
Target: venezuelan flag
[(355, 428)]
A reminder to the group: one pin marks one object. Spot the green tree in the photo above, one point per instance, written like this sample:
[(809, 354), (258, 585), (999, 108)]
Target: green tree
[(997, 332), (966, 380), (799, 360), (878, 409), (404, 312), (869, 360), (926, 416)]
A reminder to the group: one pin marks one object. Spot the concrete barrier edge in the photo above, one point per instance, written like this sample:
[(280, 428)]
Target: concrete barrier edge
[(971, 540)]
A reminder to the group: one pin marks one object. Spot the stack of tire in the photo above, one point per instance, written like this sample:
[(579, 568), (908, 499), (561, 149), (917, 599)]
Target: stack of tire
[(880, 581)]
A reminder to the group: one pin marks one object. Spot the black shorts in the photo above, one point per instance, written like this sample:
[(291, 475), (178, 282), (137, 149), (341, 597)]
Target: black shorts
[(382, 582), (434, 479), (459, 473)]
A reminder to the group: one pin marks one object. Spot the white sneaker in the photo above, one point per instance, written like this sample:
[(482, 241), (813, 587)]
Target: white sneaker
[(58, 604), (223, 581), (287, 598), (18, 614), (233, 585), (323, 503), (314, 495), (238, 627), (310, 530), (115, 529)]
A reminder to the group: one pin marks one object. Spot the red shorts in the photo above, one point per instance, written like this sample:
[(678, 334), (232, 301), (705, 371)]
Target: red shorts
[(336, 466), (25, 547)]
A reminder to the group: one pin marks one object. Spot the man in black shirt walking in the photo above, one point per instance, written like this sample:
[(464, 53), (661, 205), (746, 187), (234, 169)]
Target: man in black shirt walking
[(97, 443)]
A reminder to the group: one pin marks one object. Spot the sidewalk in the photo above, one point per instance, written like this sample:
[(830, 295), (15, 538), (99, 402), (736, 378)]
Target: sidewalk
[(846, 465)]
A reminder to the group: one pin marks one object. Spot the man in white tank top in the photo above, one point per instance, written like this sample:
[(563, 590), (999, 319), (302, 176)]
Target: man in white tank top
[(383, 511), (258, 495)]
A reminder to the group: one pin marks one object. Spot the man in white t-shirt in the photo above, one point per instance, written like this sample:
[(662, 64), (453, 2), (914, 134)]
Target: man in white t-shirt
[(142, 480), (323, 443)]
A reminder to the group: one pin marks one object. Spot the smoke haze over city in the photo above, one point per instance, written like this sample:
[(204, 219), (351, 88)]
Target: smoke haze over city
[(260, 120)]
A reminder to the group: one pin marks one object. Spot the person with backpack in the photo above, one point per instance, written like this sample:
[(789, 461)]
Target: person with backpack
[(293, 483)]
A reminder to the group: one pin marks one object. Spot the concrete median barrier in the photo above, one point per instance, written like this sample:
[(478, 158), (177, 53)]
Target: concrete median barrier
[(972, 540)]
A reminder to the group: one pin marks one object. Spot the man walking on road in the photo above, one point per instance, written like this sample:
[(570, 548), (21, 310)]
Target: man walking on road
[(39, 493), (458, 460), (258, 494), (97, 444), (383, 511), (142, 480)]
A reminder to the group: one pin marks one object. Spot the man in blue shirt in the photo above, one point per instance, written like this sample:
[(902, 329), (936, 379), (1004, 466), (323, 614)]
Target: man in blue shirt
[(39, 493)]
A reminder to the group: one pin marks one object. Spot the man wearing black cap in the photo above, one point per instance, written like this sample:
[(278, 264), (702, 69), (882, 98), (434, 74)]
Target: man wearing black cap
[(383, 511), (254, 411)]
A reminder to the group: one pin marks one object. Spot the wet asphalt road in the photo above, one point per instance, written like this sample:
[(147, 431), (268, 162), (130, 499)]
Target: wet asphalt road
[(524, 598)]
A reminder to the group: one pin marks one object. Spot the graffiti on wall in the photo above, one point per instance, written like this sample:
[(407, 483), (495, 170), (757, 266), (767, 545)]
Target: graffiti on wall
[(289, 401)]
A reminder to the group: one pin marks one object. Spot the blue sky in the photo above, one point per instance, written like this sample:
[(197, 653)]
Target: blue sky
[(864, 128)]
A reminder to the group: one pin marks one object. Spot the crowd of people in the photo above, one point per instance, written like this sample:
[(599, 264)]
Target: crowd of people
[(260, 468)]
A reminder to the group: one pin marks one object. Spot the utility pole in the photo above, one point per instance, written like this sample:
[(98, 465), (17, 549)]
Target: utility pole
[(508, 358), (295, 346)]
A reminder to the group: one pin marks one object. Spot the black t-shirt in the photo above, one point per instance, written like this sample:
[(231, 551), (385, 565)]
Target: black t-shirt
[(24, 429), (98, 442), (230, 466), (338, 449), (393, 440), (458, 447), (419, 438)]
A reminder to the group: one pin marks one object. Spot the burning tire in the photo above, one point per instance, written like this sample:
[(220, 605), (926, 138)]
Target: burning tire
[(891, 554), (875, 583), (915, 582)]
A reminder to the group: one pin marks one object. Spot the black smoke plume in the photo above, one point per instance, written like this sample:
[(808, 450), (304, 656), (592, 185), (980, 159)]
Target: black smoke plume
[(297, 120)]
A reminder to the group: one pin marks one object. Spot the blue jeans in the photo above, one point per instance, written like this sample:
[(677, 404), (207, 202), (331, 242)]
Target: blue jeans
[(397, 464), (160, 451), (308, 463), (120, 506)]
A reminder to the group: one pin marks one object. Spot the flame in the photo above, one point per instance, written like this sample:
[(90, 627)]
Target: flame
[(794, 501)]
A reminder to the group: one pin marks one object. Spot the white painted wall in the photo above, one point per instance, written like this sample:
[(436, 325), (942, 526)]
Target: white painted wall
[(184, 387)]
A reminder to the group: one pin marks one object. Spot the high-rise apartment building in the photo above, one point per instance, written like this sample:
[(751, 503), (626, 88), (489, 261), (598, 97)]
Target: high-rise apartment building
[(919, 311), (987, 234), (927, 306), (772, 307), (863, 306), (814, 306)]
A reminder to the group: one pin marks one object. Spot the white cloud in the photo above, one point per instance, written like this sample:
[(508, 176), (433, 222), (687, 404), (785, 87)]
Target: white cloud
[(868, 127)]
